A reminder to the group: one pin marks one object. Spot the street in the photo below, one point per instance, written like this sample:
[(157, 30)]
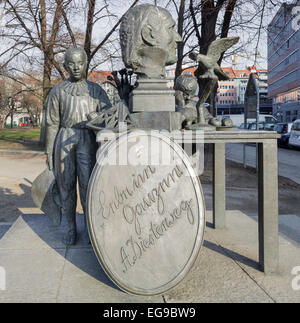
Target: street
[(288, 159)]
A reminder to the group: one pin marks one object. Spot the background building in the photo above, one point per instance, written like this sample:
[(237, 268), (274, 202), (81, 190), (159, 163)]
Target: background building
[(104, 78), (231, 93), (284, 63)]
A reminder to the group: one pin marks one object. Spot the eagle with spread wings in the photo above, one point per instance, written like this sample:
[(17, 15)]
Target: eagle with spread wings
[(211, 73), (209, 62)]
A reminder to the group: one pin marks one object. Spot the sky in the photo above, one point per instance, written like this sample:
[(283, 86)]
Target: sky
[(261, 61), (119, 7)]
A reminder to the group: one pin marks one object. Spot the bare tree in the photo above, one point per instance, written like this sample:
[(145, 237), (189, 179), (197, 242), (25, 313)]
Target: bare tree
[(92, 19), (222, 18), (32, 103), (185, 29), (9, 100), (200, 22), (39, 31), (35, 29), (4, 106)]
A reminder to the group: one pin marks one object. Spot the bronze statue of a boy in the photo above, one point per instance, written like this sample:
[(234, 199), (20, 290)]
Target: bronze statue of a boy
[(70, 146)]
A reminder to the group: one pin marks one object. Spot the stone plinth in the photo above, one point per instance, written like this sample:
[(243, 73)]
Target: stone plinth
[(163, 120), (152, 95)]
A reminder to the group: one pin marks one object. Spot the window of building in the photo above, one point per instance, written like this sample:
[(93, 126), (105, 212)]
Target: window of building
[(170, 73)]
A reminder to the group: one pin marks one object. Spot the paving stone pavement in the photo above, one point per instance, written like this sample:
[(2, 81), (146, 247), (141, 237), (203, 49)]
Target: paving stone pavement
[(39, 268)]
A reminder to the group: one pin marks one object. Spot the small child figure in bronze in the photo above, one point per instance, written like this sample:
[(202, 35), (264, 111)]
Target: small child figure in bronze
[(186, 87)]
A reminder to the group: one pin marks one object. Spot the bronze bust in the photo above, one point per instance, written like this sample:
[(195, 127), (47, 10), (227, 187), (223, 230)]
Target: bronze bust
[(148, 40)]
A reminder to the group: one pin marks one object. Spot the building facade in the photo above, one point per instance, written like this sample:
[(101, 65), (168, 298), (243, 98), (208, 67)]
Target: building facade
[(284, 64), (227, 90), (231, 93)]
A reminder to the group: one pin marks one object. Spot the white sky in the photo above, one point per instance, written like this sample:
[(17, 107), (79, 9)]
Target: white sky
[(249, 49), (119, 7)]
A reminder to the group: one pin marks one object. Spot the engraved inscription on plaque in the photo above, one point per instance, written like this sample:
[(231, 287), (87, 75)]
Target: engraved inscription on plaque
[(145, 213)]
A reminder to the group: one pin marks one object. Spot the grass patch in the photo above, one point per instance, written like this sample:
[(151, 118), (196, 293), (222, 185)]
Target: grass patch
[(20, 139), (20, 134)]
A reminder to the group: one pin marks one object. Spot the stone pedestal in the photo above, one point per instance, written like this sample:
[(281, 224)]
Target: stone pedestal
[(201, 126), (152, 95), (267, 185), (163, 120)]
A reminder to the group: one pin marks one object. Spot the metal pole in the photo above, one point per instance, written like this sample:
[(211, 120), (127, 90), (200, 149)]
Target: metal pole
[(257, 127), (245, 127)]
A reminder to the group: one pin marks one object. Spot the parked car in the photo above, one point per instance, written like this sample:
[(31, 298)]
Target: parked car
[(294, 140), (269, 126), (266, 126), (285, 130), (252, 126), (242, 126)]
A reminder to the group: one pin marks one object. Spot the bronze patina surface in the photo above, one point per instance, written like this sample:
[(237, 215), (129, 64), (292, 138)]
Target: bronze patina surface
[(146, 214)]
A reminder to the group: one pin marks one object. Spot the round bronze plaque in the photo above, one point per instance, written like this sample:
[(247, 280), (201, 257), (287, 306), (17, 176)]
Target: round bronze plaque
[(146, 212)]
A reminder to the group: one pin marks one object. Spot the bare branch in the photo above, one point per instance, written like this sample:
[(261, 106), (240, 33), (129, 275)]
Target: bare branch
[(69, 28), (23, 24), (110, 33)]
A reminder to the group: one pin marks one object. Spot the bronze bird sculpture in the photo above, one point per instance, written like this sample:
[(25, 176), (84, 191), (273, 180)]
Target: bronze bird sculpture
[(209, 62), (212, 72)]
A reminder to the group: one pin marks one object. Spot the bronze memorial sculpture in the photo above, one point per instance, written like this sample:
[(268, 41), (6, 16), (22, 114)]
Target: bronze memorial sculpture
[(148, 40), (142, 198), (186, 86), (70, 146), (210, 74)]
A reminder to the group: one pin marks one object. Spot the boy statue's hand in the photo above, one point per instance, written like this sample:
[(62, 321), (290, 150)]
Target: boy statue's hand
[(49, 161)]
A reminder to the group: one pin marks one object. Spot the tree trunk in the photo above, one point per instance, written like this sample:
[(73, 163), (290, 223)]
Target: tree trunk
[(3, 122), (209, 16), (32, 116), (180, 46), (89, 31), (11, 120), (46, 90)]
